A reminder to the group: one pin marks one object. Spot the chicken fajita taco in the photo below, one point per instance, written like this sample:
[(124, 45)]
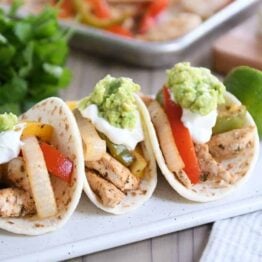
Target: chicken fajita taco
[(41, 168), (205, 142), (119, 160)]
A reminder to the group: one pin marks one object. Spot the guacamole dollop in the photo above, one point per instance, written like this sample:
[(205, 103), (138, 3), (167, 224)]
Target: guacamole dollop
[(195, 88), (7, 121), (115, 100)]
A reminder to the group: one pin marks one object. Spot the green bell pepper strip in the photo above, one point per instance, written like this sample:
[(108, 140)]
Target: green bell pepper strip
[(119, 152), (86, 16)]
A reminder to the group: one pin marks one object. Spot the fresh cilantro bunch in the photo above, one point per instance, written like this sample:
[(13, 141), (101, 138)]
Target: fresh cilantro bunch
[(33, 52)]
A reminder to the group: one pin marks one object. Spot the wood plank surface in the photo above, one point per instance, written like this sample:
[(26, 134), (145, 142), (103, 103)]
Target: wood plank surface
[(183, 246), (241, 46)]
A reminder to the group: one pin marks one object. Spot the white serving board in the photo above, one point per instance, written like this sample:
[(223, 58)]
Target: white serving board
[(91, 230)]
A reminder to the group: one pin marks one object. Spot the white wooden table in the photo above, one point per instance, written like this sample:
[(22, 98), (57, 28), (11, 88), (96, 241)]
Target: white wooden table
[(184, 246)]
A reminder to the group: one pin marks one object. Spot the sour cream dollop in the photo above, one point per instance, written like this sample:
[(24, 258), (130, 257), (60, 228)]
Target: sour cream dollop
[(119, 136), (200, 127), (10, 143)]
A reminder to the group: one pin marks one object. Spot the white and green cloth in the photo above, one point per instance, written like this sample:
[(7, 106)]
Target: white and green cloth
[(235, 239)]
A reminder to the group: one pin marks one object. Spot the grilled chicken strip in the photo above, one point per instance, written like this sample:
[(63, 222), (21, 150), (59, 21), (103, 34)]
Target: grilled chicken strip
[(146, 99), (16, 175), (109, 194), (209, 166), (115, 172), (175, 27), (231, 143), (204, 8), (15, 203)]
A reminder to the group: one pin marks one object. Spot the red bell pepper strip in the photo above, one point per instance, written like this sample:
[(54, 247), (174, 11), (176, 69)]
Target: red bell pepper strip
[(57, 164), (157, 6), (66, 8), (120, 30), (100, 8), (182, 138), (154, 9), (146, 23)]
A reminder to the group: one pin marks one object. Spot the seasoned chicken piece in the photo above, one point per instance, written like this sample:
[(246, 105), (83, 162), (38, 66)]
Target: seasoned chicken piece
[(146, 99), (204, 8), (109, 195), (16, 175), (209, 167), (174, 27), (229, 144), (16, 202), (165, 137), (127, 12), (115, 172)]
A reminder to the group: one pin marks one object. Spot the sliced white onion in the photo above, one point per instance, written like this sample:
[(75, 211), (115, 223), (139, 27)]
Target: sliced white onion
[(166, 138), (39, 179), (94, 146)]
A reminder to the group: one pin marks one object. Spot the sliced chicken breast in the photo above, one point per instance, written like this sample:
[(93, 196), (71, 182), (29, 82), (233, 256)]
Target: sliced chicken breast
[(229, 144), (115, 172), (109, 195), (16, 175), (204, 8), (209, 167), (175, 27), (15, 203)]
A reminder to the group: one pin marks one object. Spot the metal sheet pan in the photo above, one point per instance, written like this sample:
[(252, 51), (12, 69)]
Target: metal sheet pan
[(152, 54)]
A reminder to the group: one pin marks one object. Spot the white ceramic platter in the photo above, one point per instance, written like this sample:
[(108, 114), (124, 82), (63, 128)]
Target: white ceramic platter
[(91, 230)]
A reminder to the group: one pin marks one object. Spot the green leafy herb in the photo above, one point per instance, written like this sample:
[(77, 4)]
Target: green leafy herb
[(33, 53)]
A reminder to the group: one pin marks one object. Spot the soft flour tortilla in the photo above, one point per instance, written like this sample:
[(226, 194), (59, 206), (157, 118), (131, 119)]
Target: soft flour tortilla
[(67, 139), (207, 191), (148, 184)]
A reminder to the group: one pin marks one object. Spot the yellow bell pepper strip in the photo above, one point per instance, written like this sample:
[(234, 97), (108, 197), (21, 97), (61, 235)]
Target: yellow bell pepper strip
[(57, 164), (42, 131), (72, 105), (87, 17), (138, 166)]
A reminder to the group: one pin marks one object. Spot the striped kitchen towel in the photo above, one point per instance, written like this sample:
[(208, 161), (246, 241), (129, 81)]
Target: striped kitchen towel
[(235, 239)]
